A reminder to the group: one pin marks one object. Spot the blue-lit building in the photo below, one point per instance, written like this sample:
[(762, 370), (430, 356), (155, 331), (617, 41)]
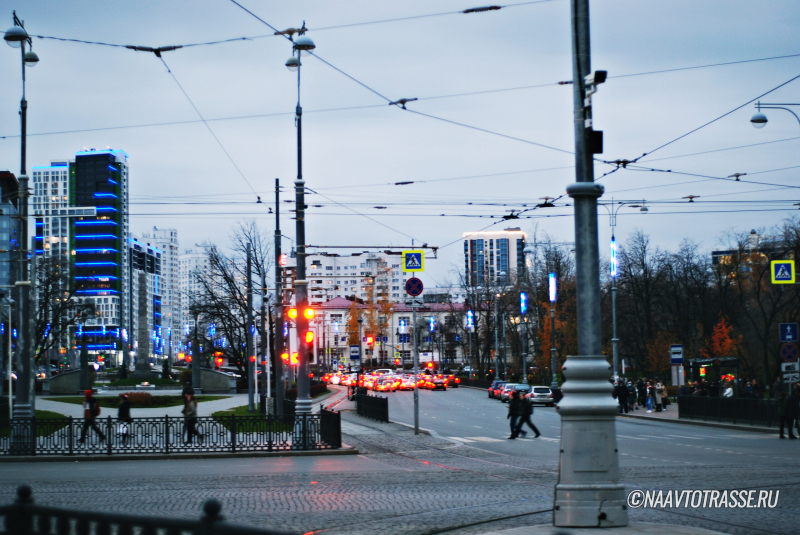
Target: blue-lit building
[(149, 334), (9, 226)]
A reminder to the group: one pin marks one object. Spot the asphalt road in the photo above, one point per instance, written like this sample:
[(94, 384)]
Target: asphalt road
[(468, 416)]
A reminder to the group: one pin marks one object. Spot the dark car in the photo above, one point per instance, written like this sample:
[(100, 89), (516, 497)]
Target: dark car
[(496, 384), (453, 381)]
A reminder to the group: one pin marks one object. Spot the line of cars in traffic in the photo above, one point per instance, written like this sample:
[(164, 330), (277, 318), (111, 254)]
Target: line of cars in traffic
[(386, 380), (542, 395)]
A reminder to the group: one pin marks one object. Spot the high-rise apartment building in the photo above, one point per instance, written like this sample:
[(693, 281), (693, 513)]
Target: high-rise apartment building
[(9, 226), (81, 212), (492, 257), (192, 262), (149, 336), (166, 241)]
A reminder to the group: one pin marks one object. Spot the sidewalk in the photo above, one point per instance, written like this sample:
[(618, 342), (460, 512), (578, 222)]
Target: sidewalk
[(671, 415)]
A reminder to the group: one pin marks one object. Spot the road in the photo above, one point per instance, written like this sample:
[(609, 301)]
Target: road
[(468, 416), (420, 485)]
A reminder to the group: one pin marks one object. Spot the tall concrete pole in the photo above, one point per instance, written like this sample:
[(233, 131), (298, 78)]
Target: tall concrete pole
[(280, 383), (588, 492), (415, 341), (196, 383), (266, 391), (496, 342), (303, 404), (251, 365)]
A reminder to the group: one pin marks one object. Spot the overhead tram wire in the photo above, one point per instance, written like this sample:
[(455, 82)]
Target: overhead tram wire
[(726, 179), (208, 126)]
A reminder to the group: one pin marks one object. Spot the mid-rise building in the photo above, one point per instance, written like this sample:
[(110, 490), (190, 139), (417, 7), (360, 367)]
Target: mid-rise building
[(149, 337), (493, 257)]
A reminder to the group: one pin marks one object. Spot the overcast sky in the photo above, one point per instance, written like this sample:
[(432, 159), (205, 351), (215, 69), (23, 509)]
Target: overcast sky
[(182, 178)]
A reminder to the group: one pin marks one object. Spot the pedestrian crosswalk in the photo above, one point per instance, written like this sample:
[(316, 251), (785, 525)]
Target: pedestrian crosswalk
[(467, 440)]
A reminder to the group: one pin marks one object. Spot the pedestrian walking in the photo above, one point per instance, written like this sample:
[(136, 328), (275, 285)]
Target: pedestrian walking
[(525, 418), (781, 404), (651, 396), (91, 410), (514, 412), (190, 419), (792, 410), (621, 393), (124, 417)]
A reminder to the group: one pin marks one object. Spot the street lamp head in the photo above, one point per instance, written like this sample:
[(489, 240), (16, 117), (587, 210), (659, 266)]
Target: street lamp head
[(759, 120), (304, 44), (15, 36), (31, 59), (293, 64)]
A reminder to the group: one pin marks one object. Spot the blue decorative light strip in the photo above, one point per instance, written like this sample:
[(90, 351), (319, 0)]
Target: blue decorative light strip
[(113, 181), (105, 195), (96, 236), (96, 291), (97, 278), (83, 264), (98, 222), (95, 250)]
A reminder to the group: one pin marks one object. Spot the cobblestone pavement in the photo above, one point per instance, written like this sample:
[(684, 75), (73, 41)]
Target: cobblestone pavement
[(400, 484)]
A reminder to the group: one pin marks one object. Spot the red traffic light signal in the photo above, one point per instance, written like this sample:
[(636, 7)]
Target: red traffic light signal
[(370, 340), (292, 313), (430, 365), (294, 358), (309, 313), (397, 362), (309, 336), (285, 357), (283, 259), (252, 358), (219, 361)]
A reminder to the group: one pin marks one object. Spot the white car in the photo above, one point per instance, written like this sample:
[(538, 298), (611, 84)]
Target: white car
[(541, 395)]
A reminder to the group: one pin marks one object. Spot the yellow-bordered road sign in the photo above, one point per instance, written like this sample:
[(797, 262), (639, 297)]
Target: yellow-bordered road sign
[(782, 271), (414, 260)]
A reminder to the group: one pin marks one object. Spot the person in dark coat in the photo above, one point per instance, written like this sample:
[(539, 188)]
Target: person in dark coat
[(124, 417), (641, 389), (632, 397), (622, 396), (792, 410), (525, 418), (91, 410), (780, 405), (514, 412)]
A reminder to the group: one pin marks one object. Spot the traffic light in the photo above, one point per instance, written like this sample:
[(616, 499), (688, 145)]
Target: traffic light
[(309, 337), (252, 358), (370, 341), (283, 259), (397, 362), (292, 313), (430, 365), (294, 358), (285, 357), (219, 361), (309, 313)]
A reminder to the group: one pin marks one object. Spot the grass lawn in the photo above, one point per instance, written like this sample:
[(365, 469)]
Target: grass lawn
[(158, 381), (260, 425), (156, 402), (41, 430)]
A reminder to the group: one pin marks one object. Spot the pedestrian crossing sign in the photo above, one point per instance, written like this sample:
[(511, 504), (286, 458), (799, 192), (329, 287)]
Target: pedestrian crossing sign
[(782, 272), (413, 260)]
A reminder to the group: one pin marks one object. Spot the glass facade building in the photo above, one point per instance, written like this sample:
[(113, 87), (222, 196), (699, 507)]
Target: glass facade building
[(493, 257)]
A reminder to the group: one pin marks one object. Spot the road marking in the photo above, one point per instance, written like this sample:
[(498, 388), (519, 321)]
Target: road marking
[(479, 427), (484, 439), (689, 438), (461, 439), (550, 439), (634, 438)]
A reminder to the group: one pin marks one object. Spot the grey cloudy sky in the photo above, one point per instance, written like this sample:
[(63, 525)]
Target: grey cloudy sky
[(350, 155)]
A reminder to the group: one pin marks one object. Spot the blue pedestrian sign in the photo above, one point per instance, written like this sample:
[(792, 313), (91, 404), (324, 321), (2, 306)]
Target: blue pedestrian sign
[(414, 260), (385, 338), (782, 271), (676, 354), (788, 332), (355, 352)]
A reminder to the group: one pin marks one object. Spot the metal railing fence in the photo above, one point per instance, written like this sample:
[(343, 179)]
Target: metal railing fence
[(168, 435), (733, 410), (23, 517), (374, 407)]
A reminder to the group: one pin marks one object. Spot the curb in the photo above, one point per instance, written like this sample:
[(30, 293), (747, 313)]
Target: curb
[(422, 431), (179, 456), (700, 423)]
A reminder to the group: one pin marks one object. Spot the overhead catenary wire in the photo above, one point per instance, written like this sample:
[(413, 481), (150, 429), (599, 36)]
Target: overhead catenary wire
[(208, 126)]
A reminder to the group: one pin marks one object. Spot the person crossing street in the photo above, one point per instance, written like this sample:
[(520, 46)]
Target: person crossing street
[(525, 418), (91, 410)]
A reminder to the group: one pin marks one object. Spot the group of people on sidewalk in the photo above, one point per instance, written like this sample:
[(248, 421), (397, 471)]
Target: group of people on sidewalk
[(651, 394), (520, 410), (91, 410)]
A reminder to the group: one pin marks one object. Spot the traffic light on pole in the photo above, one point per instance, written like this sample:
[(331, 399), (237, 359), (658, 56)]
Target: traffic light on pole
[(285, 357), (292, 313), (397, 362), (309, 337), (370, 341), (294, 358)]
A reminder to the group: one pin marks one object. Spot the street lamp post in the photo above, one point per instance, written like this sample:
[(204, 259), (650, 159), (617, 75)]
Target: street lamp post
[(302, 46), (16, 37), (496, 340), (759, 120), (523, 309), (588, 492), (553, 290)]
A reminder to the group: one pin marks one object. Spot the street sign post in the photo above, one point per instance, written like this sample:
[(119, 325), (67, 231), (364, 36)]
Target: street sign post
[(414, 287), (676, 354), (782, 271), (355, 352), (788, 332), (413, 260), (789, 352), (791, 377), (790, 367)]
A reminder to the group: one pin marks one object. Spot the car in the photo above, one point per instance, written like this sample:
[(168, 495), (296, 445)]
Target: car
[(453, 381), (496, 384), (407, 383), (505, 393), (541, 395), (439, 383), (523, 389), (384, 385)]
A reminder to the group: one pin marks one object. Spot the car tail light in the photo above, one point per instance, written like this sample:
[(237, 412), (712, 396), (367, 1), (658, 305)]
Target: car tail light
[(458, 380), (551, 394)]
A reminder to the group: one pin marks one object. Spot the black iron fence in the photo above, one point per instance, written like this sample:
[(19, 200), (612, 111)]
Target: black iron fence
[(168, 435), (25, 518), (733, 410), (373, 407)]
